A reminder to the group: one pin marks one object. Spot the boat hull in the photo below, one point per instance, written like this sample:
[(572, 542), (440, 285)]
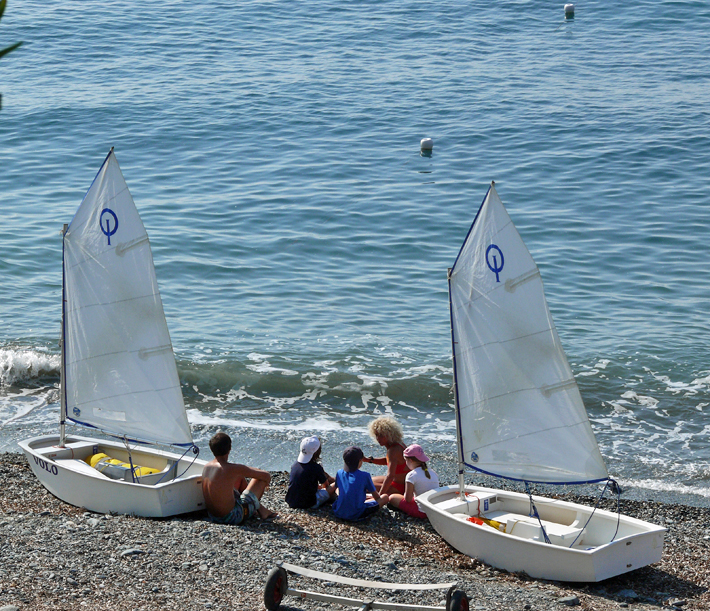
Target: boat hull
[(64, 472), (582, 550)]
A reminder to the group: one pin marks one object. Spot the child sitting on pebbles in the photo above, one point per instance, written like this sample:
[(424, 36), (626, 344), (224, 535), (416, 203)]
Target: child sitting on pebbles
[(418, 481), (353, 486), (309, 485)]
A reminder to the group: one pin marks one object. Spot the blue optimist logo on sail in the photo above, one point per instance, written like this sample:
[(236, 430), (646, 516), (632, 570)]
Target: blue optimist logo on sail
[(110, 227), (492, 260)]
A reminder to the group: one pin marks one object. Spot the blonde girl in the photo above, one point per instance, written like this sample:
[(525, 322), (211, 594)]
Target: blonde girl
[(388, 433)]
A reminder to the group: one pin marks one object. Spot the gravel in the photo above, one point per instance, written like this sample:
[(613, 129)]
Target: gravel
[(55, 556)]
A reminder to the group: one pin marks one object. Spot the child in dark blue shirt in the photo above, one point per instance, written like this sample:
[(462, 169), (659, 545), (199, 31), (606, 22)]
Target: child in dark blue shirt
[(353, 486), (309, 485)]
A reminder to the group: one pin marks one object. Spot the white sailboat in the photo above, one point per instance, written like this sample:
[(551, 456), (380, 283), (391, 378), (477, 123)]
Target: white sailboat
[(118, 372), (520, 416)]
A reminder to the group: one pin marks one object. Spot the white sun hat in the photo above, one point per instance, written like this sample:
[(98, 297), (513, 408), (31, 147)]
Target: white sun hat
[(309, 446)]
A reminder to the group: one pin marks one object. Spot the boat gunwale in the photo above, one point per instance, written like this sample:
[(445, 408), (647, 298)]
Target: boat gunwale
[(28, 446)]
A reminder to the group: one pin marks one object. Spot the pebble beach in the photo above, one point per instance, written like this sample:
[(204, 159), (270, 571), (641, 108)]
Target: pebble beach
[(55, 556)]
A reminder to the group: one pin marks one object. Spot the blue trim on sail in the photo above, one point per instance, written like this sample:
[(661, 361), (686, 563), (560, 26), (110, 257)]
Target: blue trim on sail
[(453, 338), (456, 383), (131, 439), (470, 229), (63, 390), (91, 186), (64, 289), (533, 481)]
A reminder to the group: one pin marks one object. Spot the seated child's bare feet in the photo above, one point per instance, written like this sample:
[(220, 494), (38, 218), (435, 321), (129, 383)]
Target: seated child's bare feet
[(266, 514)]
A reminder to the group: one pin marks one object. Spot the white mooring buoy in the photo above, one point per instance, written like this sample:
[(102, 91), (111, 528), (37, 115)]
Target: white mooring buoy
[(427, 144), (569, 10)]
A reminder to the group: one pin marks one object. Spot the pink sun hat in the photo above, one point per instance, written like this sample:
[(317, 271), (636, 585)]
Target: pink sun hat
[(415, 451)]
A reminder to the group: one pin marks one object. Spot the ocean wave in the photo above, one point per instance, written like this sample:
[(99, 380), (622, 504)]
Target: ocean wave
[(668, 486), (343, 384), (23, 366)]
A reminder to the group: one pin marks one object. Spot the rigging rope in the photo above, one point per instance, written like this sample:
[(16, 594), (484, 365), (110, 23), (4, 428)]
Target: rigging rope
[(534, 514), (616, 489), (195, 451), (130, 459)]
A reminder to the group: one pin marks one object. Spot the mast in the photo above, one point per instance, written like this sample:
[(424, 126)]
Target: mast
[(62, 376), (459, 441)]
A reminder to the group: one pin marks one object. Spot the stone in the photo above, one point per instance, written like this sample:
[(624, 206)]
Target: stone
[(165, 574), (570, 601), (132, 552)]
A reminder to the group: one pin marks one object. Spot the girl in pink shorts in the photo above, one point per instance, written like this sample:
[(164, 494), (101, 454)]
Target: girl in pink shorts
[(418, 481)]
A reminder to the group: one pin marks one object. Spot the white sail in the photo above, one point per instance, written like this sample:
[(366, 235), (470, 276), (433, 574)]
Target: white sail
[(520, 412), (120, 373)]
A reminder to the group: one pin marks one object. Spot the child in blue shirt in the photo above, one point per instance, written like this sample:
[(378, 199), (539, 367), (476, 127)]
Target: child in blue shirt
[(352, 486)]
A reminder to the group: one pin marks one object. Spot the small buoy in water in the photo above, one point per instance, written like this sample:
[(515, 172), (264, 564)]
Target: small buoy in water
[(427, 144), (569, 10)]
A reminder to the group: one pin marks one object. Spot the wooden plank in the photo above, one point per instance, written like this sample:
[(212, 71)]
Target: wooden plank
[(361, 583)]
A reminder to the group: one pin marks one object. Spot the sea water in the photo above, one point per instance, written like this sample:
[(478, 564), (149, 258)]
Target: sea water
[(301, 238)]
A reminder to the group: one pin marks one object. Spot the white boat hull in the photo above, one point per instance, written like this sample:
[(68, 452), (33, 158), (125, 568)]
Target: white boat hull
[(577, 553), (64, 472)]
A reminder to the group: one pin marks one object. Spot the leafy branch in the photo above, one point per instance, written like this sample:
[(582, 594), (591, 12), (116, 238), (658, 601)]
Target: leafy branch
[(3, 4)]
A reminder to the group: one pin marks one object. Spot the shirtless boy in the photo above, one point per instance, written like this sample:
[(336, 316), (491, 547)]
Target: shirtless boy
[(228, 496)]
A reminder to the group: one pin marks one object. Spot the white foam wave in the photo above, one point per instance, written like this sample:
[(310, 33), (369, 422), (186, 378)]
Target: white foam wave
[(308, 424), (643, 400), (22, 365), (263, 366), (434, 430), (374, 380), (666, 486), (326, 365), (413, 372), (27, 405), (688, 389)]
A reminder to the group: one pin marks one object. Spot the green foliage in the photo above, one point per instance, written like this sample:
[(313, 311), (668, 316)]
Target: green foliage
[(3, 4), (10, 48)]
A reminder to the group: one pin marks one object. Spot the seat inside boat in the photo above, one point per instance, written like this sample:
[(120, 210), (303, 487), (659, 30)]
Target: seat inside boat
[(77, 456), (528, 527), (494, 507)]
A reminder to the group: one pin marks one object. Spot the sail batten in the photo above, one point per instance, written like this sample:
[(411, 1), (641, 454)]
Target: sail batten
[(120, 372), (519, 410)]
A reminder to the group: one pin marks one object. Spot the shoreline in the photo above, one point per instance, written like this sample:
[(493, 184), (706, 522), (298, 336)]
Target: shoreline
[(55, 556)]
